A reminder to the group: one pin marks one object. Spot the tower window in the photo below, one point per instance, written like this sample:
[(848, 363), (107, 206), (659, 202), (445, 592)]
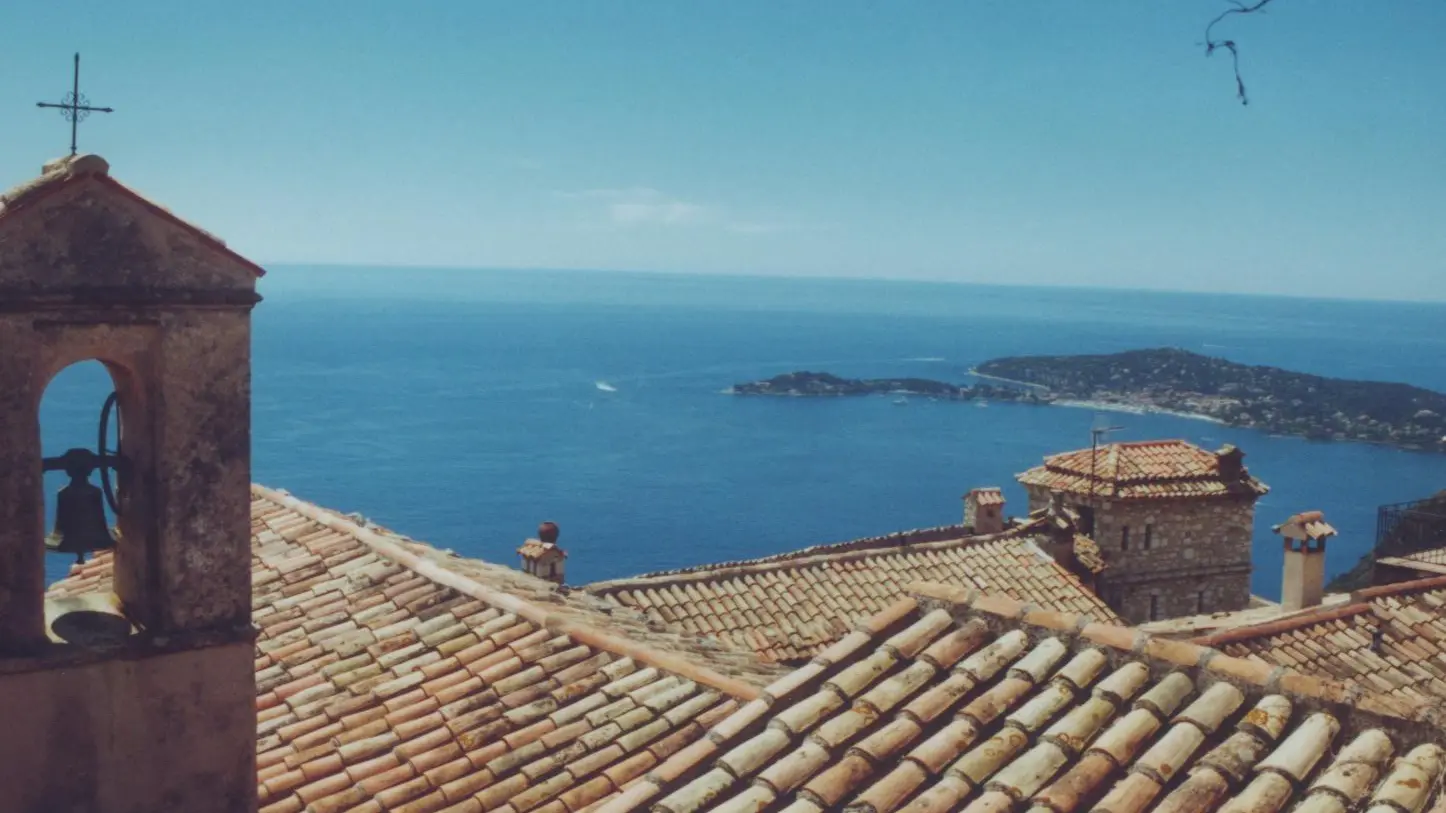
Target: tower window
[(1149, 534), (1124, 537), (1154, 607)]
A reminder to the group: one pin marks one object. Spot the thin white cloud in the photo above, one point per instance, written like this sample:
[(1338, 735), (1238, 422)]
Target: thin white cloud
[(754, 227), (627, 193), (641, 206), (668, 212), (646, 206)]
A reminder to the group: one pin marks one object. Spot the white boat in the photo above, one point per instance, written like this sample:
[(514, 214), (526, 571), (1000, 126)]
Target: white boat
[(605, 386)]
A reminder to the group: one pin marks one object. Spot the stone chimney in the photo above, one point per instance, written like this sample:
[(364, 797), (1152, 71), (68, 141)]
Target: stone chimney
[(1231, 462), (542, 557), (984, 510), (1303, 583)]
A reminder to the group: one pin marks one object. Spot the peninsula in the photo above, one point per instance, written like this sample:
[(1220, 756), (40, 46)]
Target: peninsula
[(825, 384), (1166, 379)]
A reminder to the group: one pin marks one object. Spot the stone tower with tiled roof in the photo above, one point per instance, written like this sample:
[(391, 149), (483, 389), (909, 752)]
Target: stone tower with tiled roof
[(1173, 522), (141, 696)]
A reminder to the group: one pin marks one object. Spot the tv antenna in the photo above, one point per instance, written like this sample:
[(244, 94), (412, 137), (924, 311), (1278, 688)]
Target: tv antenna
[(1099, 429)]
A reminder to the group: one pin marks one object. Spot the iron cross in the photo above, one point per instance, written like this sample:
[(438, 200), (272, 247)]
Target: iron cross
[(75, 107)]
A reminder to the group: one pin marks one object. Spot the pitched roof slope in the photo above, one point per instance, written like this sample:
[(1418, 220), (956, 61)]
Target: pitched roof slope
[(1432, 560), (1389, 639), (786, 608), (1156, 469), (953, 702), (390, 676), (67, 172)]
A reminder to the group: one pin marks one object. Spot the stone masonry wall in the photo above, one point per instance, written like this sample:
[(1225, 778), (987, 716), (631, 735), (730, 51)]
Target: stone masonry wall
[(1198, 559), (1172, 598), (89, 271), (154, 733)]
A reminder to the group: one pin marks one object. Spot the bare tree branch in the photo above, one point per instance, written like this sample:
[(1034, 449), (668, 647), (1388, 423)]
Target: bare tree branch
[(1229, 45)]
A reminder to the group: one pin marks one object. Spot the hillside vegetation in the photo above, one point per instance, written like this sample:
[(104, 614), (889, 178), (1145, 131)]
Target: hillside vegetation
[(1268, 398)]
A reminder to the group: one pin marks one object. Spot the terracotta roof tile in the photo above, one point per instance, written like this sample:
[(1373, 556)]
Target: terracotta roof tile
[(1385, 639), (1161, 469), (1306, 525), (392, 677), (987, 496), (482, 699), (1430, 560), (946, 704), (537, 549), (809, 601)]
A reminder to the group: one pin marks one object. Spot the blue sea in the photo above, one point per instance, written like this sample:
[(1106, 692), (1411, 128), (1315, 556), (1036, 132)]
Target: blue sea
[(464, 407)]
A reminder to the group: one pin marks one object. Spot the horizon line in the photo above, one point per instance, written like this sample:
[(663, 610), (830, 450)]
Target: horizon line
[(845, 278)]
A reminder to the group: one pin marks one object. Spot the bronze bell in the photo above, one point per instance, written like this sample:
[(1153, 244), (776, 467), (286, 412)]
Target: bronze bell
[(80, 525)]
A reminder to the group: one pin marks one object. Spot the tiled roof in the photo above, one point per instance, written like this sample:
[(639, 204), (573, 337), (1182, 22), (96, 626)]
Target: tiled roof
[(956, 702), (1258, 611), (1087, 553), (787, 608), (1156, 469), (1434, 556), (1432, 560), (536, 549), (1306, 525), (1389, 639), (988, 496), (390, 676)]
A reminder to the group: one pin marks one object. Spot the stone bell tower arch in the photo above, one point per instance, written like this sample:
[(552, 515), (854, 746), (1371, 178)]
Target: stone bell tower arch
[(90, 270)]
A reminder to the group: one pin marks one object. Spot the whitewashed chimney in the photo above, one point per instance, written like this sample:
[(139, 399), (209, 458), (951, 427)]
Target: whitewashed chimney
[(1303, 582), (984, 510)]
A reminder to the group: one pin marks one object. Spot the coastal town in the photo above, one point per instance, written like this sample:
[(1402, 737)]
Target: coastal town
[(1098, 646), (1176, 382)]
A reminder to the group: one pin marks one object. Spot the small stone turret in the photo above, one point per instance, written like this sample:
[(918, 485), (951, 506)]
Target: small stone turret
[(542, 557), (1173, 522), (984, 510)]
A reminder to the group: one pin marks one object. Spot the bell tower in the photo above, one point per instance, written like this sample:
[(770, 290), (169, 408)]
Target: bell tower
[(139, 696)]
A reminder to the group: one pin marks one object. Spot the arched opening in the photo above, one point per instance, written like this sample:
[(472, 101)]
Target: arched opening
[(70, 413)]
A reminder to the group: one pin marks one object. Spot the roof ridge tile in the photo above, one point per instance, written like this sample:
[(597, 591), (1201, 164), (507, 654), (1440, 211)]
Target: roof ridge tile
[(1044, 720), (1181, 653)]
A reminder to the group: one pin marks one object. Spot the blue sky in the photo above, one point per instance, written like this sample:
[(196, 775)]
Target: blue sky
[(1021, 143)]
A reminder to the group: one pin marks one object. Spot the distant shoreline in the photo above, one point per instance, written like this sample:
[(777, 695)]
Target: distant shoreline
[(1111, 406), (1103, 406), (1176, 383)]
